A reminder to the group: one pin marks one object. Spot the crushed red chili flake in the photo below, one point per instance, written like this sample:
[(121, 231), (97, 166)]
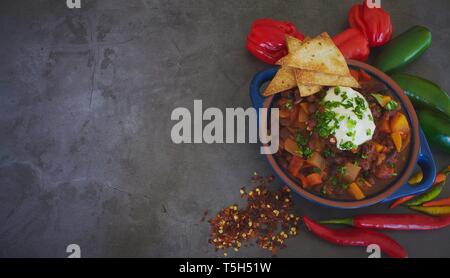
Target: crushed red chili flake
[(268, 219)]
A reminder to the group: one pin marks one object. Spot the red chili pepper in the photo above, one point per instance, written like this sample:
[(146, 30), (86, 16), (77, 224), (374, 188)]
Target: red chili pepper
[(374, 22), (437, 203), (400, 201), (403, 222), (266, 40), (353, 44), (357, 237)]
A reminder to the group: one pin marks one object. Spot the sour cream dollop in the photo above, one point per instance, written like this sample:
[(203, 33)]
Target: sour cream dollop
[(353, 124)]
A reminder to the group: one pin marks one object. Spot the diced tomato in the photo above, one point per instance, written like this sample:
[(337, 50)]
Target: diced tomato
[(385, 125), (295, 165), (314, 179), (304, 180), (384, 172)]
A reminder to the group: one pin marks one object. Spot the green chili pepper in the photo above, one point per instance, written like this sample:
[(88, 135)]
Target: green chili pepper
[(424, 94), (436, 127), (429, 195), (403, 49), (434, 211)]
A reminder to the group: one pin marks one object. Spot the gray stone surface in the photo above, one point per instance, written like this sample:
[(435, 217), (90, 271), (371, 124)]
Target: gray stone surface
[(85, 103)]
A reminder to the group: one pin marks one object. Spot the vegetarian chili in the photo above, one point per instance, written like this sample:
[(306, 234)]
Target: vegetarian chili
[(312, 153)]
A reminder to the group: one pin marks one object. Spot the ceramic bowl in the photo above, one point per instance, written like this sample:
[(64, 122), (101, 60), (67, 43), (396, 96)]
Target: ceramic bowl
[(419, 151)]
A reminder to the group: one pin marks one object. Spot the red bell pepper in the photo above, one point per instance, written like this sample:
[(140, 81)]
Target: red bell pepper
[(353, 44), (374, 22), (266, 40)]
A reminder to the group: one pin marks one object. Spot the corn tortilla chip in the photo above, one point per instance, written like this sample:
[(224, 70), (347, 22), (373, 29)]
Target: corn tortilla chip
[(306, 90), (283, 80), (293, 44), (283, 61), (319, 54), (306, 77)]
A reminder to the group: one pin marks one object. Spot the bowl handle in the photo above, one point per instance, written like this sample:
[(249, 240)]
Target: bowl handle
[(255, 86), (425, 162)]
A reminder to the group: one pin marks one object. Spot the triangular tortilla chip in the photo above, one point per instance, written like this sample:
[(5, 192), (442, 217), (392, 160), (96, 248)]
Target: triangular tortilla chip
[(283, 80), (306, 91), (283, 61), (319, 54), (306, 77), (293, 44)]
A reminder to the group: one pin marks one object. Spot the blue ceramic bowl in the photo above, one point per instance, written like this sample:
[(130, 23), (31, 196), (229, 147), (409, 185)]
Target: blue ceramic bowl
[(419, 151)]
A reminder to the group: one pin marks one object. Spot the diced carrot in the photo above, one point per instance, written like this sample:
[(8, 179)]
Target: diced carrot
[(291, 147), (397, 139), (399, 123), (314, 179), (440, 177), (379, 148), (437, 203), (304, 180), (356, 191), (295, 165)]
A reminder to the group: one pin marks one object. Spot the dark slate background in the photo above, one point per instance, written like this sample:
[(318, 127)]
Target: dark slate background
[(86, 98)]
